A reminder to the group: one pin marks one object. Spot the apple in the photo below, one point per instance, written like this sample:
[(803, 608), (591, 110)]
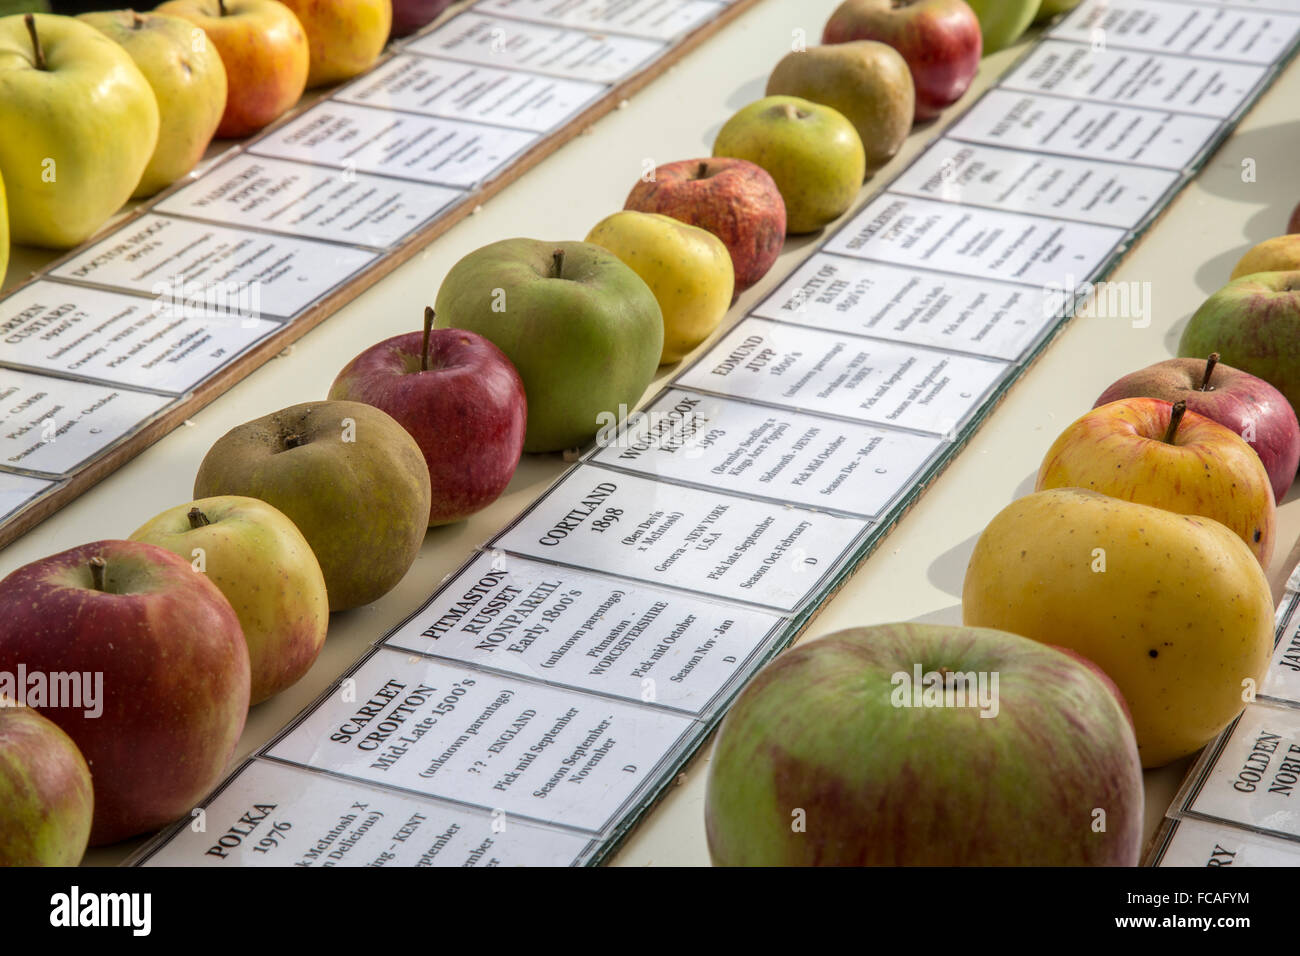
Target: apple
[(1254, 325), (732, 198), (939, 39), (687, 268), (79, 125), (1002, 22), (834, 755), (461, 400), (46, 800), (410, 15), (187, 79), (264, 50), (263, 565), (4, 232), (1279, 254), (1293, 226), (348, 476), (1175, 608), (1156, 453), (583, 330), (1237, 400), (812, 152), (165, 650), (1051, 9), (345, 36)]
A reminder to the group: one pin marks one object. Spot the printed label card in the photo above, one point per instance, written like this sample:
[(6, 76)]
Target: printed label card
[(656, 19), (1198, 843), (17, 491)]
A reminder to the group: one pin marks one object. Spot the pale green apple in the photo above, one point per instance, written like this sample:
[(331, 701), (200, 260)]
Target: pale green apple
[(1054, 8), (1002, 22)]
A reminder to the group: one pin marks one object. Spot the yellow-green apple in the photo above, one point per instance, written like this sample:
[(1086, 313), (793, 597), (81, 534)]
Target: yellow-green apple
[(939, 39), (1002, 22), (1237, 400), (163, 649), (345, 36), (264, 50), (812, 152), (583, 330), (687, 268), (1157, 453), (79, 124), (461, 400), (1279, 254), (263, 565), (410, 15), (4, 232), (734, 199), (348, 476), (1175, 608), (1050, 9), (1254, 324), (46, 801), (187, 78), (924, 745)]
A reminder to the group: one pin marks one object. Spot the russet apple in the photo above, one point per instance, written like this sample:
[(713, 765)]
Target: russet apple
[(1002, 22), (46, 798), (1279, 254), (345, 36)]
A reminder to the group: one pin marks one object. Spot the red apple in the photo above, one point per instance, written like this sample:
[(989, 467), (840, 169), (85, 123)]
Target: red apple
[(461, 400), (1235, 399), (734, 199), (939, 39), (173, 674), (410, 15)]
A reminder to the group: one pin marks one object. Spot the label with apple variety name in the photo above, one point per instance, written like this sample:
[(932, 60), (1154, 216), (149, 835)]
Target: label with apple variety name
[(512, 44), (1282, 682), (310, 201), (18, 491), (656, 19), (1068, 127), (235, 270), (967, 240), (1199, 843), (1285, 6), (52, 425), (770, 453), (474, 92), (154, 343), (708, 542), (496, 742), (1133, 78), (1190, 29), (566, 627), (867, 380), (995, 319), (270, 814)]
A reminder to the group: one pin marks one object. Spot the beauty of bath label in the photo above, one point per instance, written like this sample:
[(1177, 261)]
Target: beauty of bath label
[(662, 648), (17, 491), (269, 814), (656, 19), (709, 542), (181, 261), (1199, 843), (485, 740)]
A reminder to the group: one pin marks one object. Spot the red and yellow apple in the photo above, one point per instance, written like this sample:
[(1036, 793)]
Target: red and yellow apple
[(345, 36), (46, 798)]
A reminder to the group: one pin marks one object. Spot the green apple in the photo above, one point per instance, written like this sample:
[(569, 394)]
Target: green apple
[(583, 330), (1002, 22), (261, 562), (187, 78), (687, 268), (1051, 9), (812, 152), (347, 475), (46, 796), (79, 125)]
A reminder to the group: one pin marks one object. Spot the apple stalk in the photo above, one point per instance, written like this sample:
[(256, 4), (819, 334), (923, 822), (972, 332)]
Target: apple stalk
[(38, 53), (197, 518), (558, 257), (98, 572), (428, 331), (1175, 419), (1212, 361)]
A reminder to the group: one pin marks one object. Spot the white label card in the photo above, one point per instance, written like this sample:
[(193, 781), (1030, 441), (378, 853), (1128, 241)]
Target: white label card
[(248, 273), (18, 490), (512, 44), (499, 743), (468, 91), (1285, 6), (52, 425), (883, 383), (1282, 682), (310, 201), (267, 814), (769, 453), (656, 19), (146, 343), (662, 648), (984, 243), (704, 541), (1199, 843)]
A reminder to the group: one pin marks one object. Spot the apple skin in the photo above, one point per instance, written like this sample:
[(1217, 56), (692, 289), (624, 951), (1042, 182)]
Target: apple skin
[(46, 798), (467, 412), (1279, 254), (263, 565), (410, 15), (816, 730), (1003, 22), (1119, 450), (265, 52), (1293, 226), (1051, 9), (345, 36), (939, 39), (734, 199), (4, 232), (175, 674), (1237, 400)]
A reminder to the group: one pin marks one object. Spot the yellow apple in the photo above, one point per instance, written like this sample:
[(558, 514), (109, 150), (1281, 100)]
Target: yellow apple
[(1174, 608), (346, 36), (687, 268), (1279, 254), (4, 232), (78, 123), (187, 78)]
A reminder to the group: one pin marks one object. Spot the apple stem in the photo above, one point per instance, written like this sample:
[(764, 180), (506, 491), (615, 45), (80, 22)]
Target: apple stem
[(703, 171), (428, 331), (558, 256), (293, 441), (36, 41), (221, 7), (1175, 419), (98, 570), (197, 518), (1212, 361), (137, 21)]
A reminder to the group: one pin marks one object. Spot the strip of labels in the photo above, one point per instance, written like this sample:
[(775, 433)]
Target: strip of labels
[(537, 703)]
